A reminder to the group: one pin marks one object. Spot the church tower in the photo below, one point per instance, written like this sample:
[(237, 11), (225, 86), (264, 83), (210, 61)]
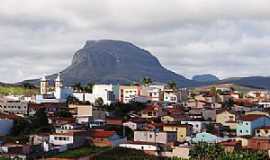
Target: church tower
[(44, 84), (58, 87)]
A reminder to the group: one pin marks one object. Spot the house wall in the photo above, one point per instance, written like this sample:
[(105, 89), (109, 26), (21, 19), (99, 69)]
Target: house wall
[(5, 126), (144, 147), (127, 93), (262, 132), (106, 92), (54, 139), (15, 107), (179, 152), (248, 127), (224, 117), (182, 132), (259, 144), (196, 125), (152, 137)]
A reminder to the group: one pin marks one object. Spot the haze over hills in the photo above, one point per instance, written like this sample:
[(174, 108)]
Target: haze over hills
[(206, 78)]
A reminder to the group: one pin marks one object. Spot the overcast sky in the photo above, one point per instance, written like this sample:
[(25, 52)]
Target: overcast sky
[(222, 37)]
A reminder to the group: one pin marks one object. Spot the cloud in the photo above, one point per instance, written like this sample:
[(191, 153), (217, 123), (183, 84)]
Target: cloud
[(226, 37)]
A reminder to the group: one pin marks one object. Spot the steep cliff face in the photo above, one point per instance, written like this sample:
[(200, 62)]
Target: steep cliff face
[(111, 61)]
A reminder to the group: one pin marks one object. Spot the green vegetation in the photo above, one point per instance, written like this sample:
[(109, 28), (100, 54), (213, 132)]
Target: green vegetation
[(37, 123), (172, 85), (99, 102), (121, 109), (17, 90), (129, 154), (3, 158), (147, 81), (81, 152), (80, 88), (204, 151)]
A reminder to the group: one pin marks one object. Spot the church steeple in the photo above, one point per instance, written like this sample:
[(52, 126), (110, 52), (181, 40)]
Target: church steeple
[(58, 81), (44, 86)]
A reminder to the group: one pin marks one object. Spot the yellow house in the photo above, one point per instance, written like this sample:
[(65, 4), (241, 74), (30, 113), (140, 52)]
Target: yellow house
[(167, 118), (226, 118), (182, 130)]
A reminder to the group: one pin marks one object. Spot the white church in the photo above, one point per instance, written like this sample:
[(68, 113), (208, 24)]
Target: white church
[(58, 94)]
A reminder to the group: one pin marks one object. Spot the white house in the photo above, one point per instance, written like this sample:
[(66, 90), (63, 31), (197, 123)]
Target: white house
[(14, 106), (74, 138), (140, 146), (106, 92), (197, 126), (155, 137), (265, 104), (170, 96)]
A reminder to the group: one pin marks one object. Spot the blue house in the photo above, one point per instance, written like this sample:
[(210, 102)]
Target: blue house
[(247, 124), (206, 137)]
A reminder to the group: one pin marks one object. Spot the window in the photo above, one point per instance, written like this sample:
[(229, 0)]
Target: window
[(246, 131), (240, 131)]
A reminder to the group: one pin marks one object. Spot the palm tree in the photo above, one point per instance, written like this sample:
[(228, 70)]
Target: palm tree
[(89, 87), (77, 87), (172, 85), (147, 81)]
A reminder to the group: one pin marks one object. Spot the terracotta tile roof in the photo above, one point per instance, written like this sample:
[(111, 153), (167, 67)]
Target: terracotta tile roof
[(9, 116), (230, 143), (224, 110), (178, 125), (46, 105), (102, 134), (252, 117), (151, 108), (265, 127)]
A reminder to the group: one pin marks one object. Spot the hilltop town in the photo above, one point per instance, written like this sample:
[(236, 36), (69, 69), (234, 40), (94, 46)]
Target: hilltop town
[(143, 119)]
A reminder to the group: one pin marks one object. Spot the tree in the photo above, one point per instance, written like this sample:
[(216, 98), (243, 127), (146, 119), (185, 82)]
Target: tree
[(147, 81), (210, 128), (72, 100), (99, 102), (63, 113), (40, 119), (89, 87), (172, 85), (228, 103), (77, 87), (204, 151), (21, 127), (213, 90)]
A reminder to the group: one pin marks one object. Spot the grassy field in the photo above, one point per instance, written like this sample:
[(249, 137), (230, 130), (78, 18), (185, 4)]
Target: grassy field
[(81, 152), (17, 90)]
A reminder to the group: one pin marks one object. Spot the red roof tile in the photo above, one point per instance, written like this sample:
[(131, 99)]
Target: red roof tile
[(102, 134), (252, 117)]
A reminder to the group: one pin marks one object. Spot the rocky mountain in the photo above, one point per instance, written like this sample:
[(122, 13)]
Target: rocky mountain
[(207, 78), (111, 61)]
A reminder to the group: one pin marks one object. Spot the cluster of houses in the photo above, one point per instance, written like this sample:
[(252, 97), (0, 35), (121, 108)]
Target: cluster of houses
[(169, 124)]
